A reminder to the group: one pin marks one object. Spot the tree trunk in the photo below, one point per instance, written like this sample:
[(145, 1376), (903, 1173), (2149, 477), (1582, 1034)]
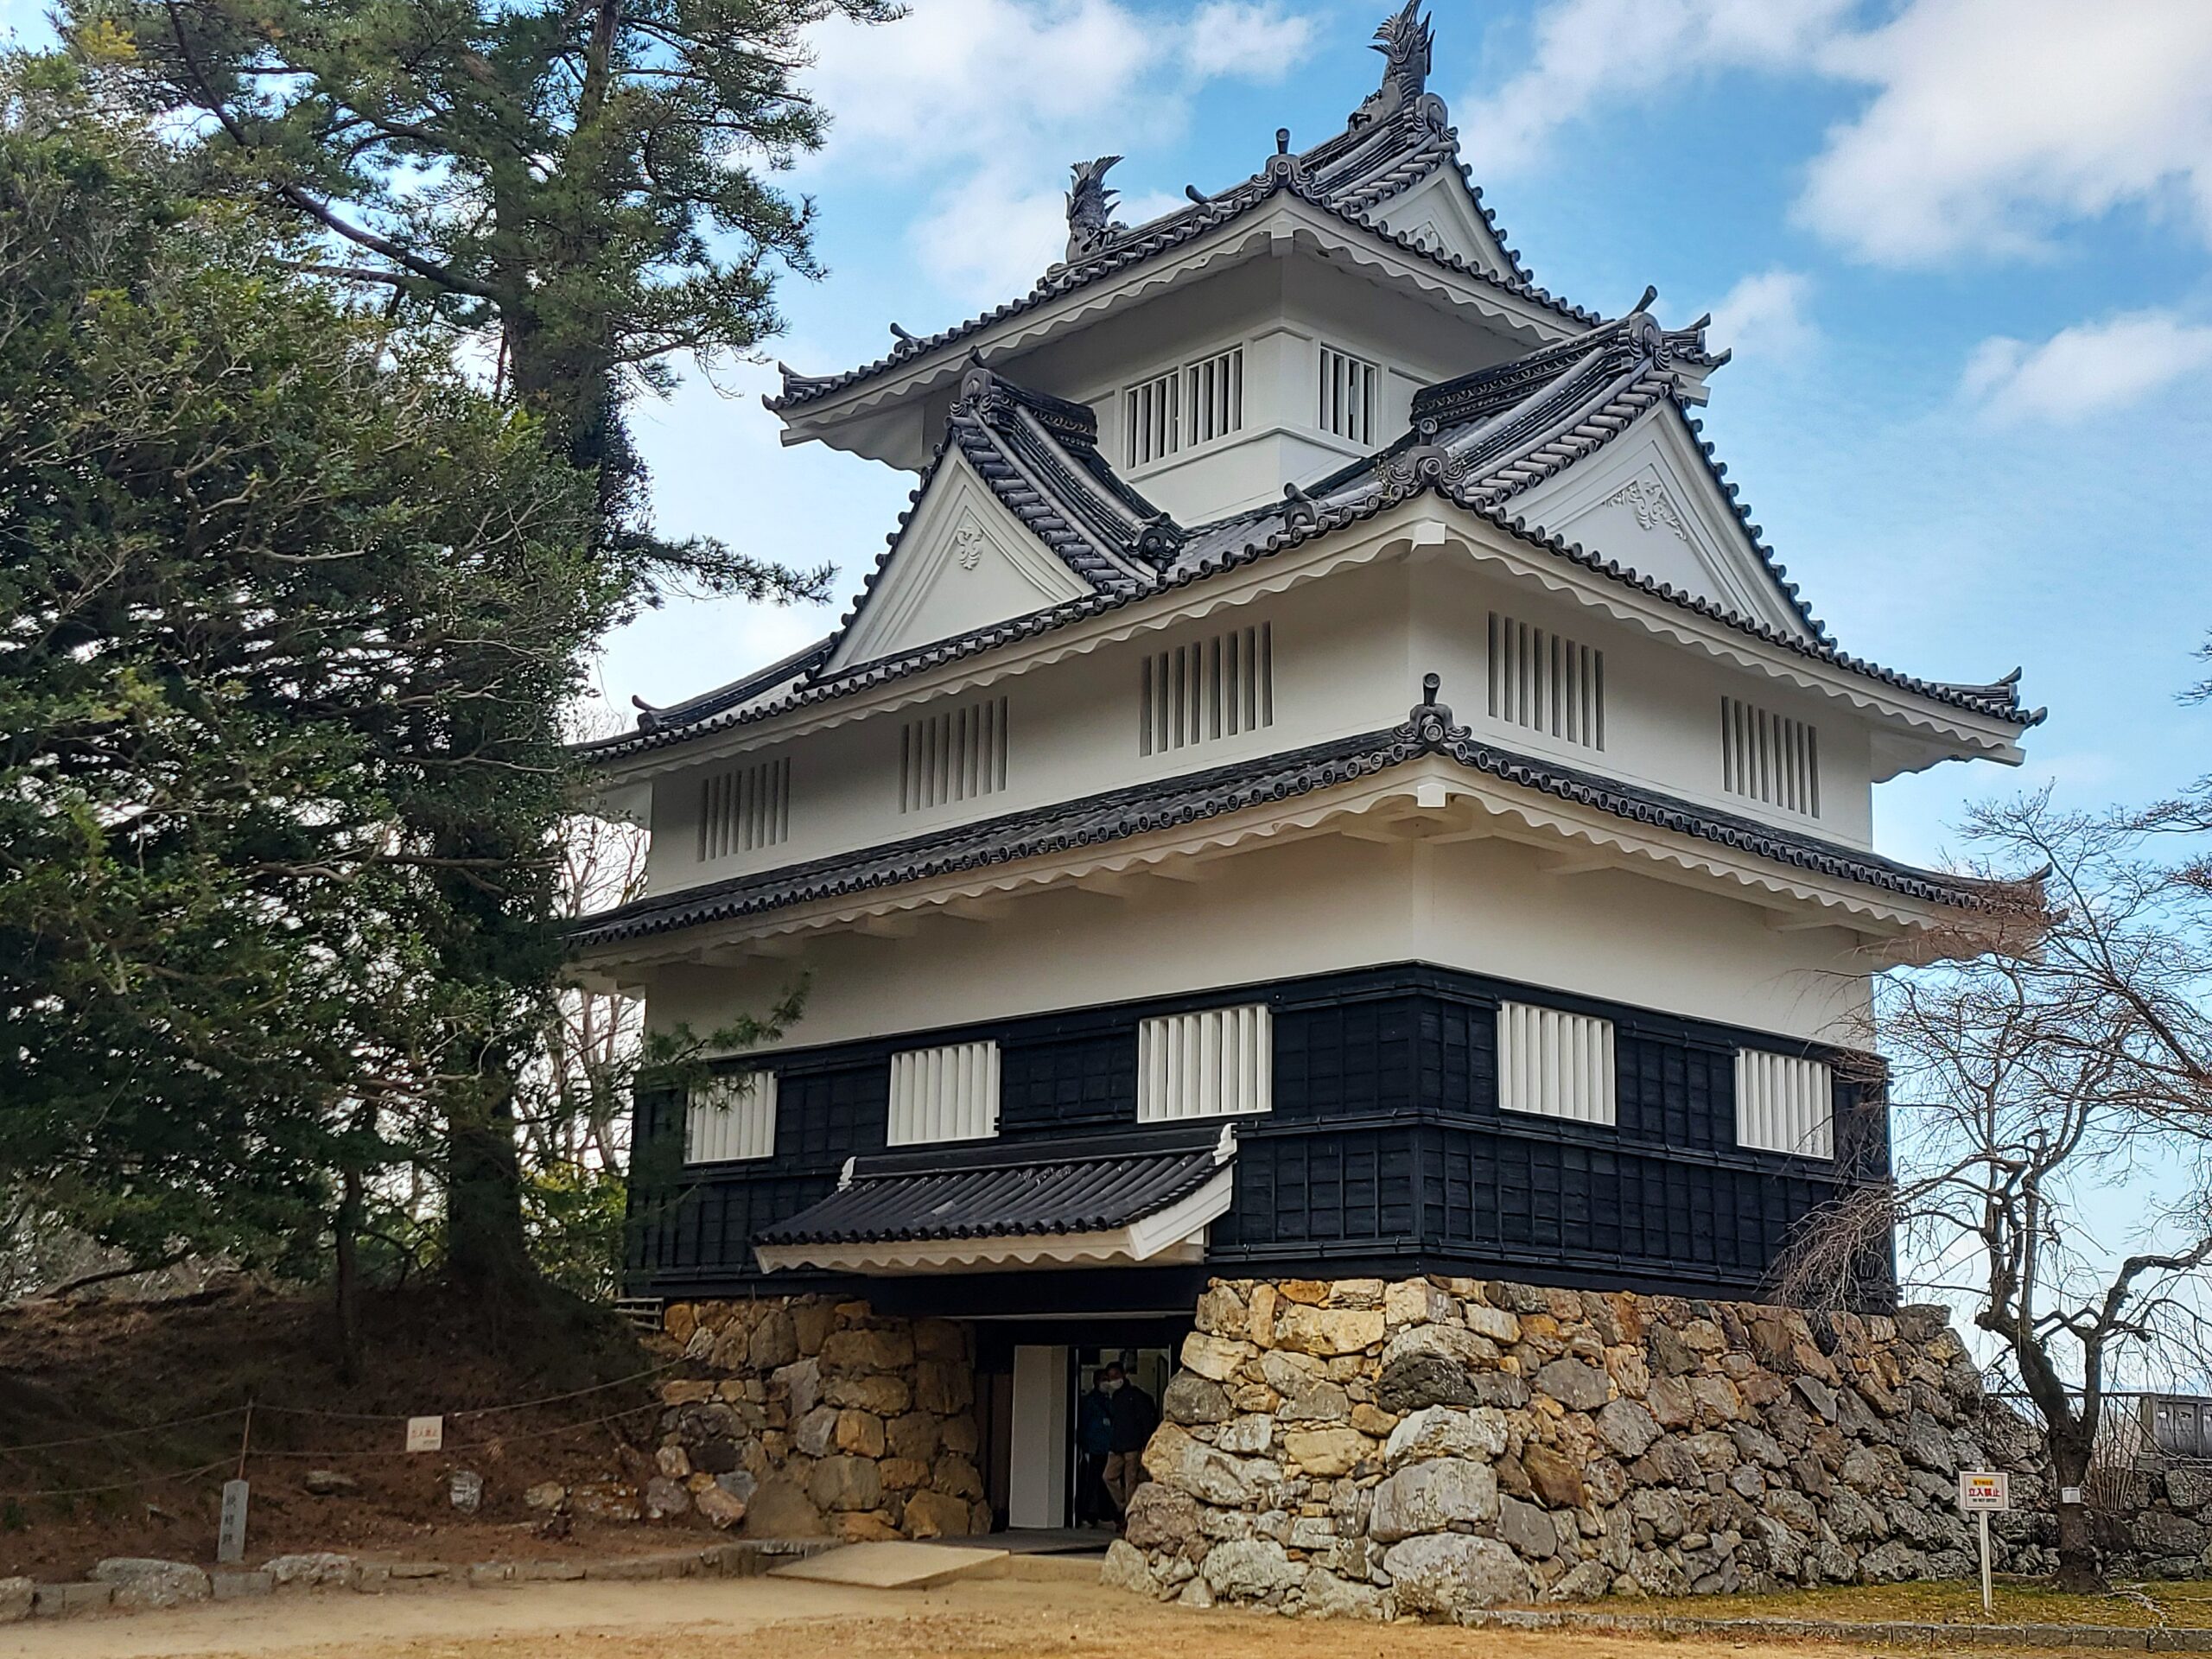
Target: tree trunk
[(346, 1237), (2078, 1570), (486, 1252)]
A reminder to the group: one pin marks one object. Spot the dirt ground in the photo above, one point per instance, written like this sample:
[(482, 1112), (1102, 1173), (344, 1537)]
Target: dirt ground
[(776, 1619), (94, 1462)]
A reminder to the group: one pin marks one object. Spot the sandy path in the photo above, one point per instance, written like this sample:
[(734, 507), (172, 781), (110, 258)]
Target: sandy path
[(778, 1619)]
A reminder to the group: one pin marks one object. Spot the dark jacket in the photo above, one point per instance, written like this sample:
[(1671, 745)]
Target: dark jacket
[(1093, 1423), (1134, 1418)]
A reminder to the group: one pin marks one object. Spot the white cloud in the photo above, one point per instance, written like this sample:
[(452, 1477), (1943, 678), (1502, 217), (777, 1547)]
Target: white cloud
[(1587, 51), (1988, 123), (988, 237), (1764, 316), (1251, 41), (2088, 370), (990, 100), (1994, 121)]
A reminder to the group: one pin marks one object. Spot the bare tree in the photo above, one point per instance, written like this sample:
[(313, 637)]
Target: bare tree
[(2053, 1126)]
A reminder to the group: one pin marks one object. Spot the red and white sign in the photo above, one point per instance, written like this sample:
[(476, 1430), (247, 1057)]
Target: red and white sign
[(1984, 1489), (426, 1433)]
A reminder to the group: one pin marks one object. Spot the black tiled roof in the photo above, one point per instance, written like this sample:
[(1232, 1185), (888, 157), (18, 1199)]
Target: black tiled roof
[(1192, 798), (991, 1191), (1480, 440), (1284, 174)]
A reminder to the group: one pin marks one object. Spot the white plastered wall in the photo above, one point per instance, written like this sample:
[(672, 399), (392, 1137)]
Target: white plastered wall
[(1284, 912)]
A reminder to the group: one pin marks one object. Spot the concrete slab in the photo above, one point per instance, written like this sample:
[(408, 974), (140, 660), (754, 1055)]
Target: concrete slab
[(897, 1566)]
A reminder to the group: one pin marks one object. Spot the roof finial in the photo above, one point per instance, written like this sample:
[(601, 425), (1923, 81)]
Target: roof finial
[(1283, 140), (1091, 209), (901, 336), (1431, 720), (1406, 41)]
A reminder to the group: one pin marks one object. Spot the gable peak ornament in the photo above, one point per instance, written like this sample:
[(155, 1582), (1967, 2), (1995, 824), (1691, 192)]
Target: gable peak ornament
[(1091, 209), (1406, 41)]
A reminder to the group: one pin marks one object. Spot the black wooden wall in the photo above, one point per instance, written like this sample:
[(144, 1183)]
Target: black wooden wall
[(1385, 1150)]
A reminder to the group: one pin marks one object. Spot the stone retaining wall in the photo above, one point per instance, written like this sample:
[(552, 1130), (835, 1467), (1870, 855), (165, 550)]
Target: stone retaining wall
[(1434, 1445), (810, 1417)]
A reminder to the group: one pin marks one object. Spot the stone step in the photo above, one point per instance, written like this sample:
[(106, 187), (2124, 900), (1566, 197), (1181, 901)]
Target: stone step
[(897, 1566)]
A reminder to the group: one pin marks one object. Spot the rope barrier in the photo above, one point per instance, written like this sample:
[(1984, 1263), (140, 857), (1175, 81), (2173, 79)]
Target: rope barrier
[(120, 1434), (116, 1486), (471, 1411)]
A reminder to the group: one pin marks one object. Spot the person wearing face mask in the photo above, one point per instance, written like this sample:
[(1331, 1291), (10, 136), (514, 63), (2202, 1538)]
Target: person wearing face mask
[(1094, 1444), (1134, 1416)]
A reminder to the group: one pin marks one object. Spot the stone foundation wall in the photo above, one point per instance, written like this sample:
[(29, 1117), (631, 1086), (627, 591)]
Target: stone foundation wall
[(1431, 1445), (809, 1416)]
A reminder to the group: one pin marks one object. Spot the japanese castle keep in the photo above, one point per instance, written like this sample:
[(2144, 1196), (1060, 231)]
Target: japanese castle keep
[(1328, 861)]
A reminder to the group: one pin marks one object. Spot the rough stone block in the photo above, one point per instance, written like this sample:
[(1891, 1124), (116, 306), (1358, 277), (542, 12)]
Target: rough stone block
[(1431, 1496), (1451, 1573)]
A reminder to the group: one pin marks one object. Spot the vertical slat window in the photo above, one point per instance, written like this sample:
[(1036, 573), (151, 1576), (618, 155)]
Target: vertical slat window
[(731, 1117), (1194, 404), (1216, 1062), (1347, 395), (1555, 1065), (955, 755), (944, 1094), (744, 809), (1770, 758), (1784, 1104), (1149, 412), (1221, 686), (1547, 682)]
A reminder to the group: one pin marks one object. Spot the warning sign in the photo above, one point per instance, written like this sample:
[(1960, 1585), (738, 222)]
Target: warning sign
[(426, 1433), (1984, 1489)]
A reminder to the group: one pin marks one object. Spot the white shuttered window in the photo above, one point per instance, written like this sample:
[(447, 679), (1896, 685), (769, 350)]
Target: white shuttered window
[(1554, 1065), (1223, 686), (1770, 757), (1347, 395), (1784, 1104), (1216, 1062), (744, 809), (944, 1094), (731, 1117)]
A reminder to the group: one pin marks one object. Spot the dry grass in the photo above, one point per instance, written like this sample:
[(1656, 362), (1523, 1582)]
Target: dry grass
[(2017, 1602)]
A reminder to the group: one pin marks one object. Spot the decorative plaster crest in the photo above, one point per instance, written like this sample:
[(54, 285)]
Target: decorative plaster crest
[(968, 544), (1652, 505)]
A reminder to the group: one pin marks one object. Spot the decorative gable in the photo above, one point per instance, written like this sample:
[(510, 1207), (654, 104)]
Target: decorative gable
[(1440, 215), (962, 562), (1648, 499)]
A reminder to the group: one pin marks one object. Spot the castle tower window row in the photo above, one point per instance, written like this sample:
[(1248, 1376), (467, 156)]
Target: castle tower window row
[(1770, 758), (731, 1118), (1346, 406), (1222, 686), (949, 1093), (1547, 682), (958, 755), (744, 809), (1182, 408)]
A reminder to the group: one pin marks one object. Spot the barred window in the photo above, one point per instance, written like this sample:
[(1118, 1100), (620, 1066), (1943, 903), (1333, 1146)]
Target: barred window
[(1547, 682), (1221, 686), (1555, 1065), (731, 1117), (1215, 1063), (744, 809), (1347, 395), (1770, 758), (954, 755)]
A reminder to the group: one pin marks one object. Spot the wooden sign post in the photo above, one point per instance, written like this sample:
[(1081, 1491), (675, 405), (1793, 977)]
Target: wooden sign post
[(1981, 1494)]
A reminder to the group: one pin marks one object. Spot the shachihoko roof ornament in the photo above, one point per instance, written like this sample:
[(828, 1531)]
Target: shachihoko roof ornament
[(1406, 41), (1091, 224)]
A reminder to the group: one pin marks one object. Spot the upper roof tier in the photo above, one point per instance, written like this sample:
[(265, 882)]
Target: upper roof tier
[(1385, 202), (1513, 444)]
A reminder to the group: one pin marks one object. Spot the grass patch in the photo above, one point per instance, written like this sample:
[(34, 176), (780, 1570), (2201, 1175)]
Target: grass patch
[(2018, 1601)]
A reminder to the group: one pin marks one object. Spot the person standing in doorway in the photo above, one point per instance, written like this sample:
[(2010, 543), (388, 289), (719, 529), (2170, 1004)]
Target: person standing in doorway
[(1134, 1415), (1094, 1444)]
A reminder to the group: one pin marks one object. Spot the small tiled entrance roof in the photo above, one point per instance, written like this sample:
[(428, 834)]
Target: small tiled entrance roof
[(988, 1191)]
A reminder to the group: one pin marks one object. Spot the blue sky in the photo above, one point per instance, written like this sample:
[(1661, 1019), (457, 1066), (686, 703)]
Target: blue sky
[(1959, 245)]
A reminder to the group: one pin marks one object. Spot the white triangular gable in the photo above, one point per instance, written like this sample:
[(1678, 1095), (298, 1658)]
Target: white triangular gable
[(1648, 500), (1439, 214), (962, 562)]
